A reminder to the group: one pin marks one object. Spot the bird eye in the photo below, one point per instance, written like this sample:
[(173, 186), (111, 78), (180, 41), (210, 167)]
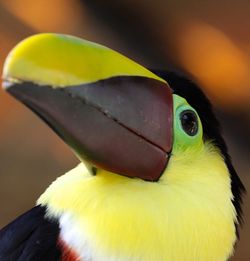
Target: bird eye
[(189, 122)]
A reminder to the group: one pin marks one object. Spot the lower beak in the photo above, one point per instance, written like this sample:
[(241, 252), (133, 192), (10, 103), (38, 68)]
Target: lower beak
[(113, 113)]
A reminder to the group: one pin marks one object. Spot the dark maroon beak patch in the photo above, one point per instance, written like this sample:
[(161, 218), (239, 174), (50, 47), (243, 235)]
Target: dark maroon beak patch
[(121, 124)]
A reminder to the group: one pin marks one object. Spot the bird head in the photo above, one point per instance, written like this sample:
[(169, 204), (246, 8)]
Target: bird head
[(118, 116)]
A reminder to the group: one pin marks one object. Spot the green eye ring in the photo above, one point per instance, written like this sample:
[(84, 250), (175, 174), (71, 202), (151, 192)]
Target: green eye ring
[(187, 127)]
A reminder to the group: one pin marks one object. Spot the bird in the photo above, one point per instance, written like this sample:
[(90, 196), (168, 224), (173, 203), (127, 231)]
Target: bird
[(155, 181)]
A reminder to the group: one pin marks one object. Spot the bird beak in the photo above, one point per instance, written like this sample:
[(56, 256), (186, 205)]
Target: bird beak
[(112, 112)]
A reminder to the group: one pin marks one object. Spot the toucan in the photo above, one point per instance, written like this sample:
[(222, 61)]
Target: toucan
[(155, 181)]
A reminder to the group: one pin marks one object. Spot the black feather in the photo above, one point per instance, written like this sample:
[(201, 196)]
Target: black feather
[(30, 237)]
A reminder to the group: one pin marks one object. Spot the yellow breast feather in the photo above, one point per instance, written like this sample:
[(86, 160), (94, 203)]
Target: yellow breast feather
[(188, 215)]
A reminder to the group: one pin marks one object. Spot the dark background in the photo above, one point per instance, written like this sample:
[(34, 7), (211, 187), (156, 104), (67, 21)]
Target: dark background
[(209, 41)]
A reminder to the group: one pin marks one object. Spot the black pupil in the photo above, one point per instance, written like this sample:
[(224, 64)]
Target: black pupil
[(189, 122)]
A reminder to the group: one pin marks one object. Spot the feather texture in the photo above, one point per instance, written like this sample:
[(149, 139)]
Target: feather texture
[(30, 237)]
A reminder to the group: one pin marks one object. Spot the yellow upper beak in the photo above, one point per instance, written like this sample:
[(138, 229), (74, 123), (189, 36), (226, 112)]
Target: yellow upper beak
[(61, 60)]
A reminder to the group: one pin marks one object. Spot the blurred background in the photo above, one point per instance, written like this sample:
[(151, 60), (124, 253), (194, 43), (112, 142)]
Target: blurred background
[(209, 41)]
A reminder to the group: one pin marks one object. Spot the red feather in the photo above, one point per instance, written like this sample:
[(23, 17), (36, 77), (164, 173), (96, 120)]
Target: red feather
[(68, 254)]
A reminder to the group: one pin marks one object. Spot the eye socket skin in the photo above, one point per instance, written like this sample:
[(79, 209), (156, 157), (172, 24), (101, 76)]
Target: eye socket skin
[(187, 126), (189, 122)]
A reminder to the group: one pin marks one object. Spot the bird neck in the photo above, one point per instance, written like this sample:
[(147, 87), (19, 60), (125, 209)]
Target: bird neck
[(187, 216)]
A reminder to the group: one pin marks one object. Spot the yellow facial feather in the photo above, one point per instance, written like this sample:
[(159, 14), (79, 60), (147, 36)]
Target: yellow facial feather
[(188, 215)]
